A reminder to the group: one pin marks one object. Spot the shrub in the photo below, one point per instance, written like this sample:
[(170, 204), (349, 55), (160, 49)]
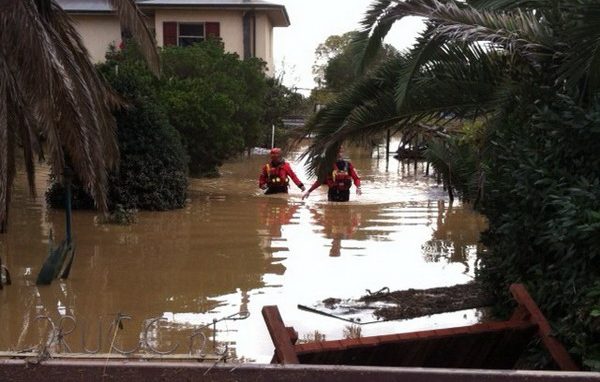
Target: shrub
[(542, 201), (152, 168), (152, 172), (215, 100)]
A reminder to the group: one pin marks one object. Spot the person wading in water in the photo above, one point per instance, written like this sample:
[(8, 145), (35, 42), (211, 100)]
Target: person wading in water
[(274, 175), (339, 181)]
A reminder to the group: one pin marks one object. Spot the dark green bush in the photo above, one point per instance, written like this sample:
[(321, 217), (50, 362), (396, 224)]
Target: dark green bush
[(80, 199), (152, 172), (542, 200), (152, 169)]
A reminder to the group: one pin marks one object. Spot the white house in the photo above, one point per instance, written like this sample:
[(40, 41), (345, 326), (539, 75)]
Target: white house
[(244, 26)]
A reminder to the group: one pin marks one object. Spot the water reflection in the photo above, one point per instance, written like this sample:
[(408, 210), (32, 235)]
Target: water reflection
[(337, 224), (456, 237), (273, 213), (232, 250)]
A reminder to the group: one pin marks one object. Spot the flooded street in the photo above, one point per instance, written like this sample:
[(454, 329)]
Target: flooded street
[(233, 250)]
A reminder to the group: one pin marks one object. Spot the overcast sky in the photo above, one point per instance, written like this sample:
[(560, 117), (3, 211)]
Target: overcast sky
[(315, 20)]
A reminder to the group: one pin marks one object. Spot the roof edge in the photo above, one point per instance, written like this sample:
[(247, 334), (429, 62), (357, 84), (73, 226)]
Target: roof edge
[(254, 7)]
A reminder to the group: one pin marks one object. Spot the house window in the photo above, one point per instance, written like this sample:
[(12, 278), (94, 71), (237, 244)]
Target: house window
[(190, 33), (186, 34)]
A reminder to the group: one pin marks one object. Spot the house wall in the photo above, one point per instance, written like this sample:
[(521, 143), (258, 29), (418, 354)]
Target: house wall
[(230, 22), (264, 40), (98, 32)]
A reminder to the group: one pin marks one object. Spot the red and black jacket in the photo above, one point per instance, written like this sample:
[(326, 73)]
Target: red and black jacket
[(276, 175), (341, 178)]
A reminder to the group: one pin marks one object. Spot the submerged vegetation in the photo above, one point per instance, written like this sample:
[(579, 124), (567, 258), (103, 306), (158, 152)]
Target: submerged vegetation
[(521, 77)]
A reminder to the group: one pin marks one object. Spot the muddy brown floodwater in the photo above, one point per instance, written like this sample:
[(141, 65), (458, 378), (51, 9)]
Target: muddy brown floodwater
[(233, 250)]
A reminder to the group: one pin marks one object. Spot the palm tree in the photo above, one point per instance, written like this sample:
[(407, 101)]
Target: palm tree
[(53, 104), (475, 59)]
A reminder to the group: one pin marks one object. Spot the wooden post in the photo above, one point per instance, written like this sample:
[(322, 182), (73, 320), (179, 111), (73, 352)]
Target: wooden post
[(387, 143), (557, 350), (280, 335)]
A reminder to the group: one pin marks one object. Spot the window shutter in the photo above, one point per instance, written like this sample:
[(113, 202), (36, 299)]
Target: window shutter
[(169, 33), (213, 29)]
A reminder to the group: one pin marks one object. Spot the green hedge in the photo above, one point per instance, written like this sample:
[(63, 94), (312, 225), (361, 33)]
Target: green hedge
[(542, 201)]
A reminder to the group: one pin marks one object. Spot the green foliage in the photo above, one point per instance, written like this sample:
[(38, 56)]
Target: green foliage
[(543, 206), (80, 198), (335, 67), (215, 100), (152, 168), (333, 47), (457, 158), (456, 161), (152, 172), (280, 102)]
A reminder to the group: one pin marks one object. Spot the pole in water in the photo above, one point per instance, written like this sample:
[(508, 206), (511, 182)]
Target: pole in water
[(272, 135), (387, 150)]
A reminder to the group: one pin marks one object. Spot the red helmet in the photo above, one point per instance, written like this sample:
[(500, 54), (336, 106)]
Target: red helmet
[(275, 151)]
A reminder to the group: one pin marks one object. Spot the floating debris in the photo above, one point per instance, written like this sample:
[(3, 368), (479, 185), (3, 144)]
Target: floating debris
[(413, 303)]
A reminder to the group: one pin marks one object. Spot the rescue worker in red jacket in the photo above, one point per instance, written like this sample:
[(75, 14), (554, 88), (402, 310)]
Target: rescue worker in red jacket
[(339, 181), (274, 175)]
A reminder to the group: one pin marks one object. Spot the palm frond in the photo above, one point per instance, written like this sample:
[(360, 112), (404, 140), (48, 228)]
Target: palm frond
[(456, 81), (421, 52), (6, 159), (366, 104), (134, 21), (50, 89), (376, 25), (580, 67), (495, 5), (517, 31)]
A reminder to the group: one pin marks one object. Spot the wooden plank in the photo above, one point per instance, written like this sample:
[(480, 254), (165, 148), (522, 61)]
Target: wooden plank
[(486, 343), (126, 371), (417, 349), (112, 356), (411, 354), (437, 353), (508, 351), (284, 348), (293, 334), (420, 353), (556, 349), (447, 351), (520, 314)]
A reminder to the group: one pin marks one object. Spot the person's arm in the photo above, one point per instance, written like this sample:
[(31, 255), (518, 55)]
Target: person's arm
[(293, 176), (315, 185), (355, 178), (263, 179)]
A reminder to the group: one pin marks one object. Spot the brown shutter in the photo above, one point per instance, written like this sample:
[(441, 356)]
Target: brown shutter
[(169, 33), (213, 29)]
